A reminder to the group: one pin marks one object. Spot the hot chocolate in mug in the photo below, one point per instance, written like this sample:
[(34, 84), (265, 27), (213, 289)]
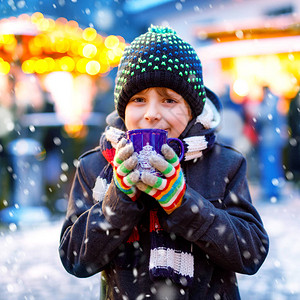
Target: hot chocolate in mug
[(149, 141)]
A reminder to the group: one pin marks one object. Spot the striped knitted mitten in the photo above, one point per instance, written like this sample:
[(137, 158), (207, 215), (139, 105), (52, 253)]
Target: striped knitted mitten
[(124, 175), (167, 191)]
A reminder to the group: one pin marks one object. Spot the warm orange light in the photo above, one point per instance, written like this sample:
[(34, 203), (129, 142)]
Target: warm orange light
[(36, 17), (4, 67), (9, 42), (89, 34), (40, 40), (93, 67), (74, 48), (67, 64), (7, 39), (121, 39), (81, 65), (103, 57), (241, 87), (104, 68), (99, 41), (89, 51), (41, 66), (72, 28), (62, 21), (43, 24), (63, 38), (28, 66), (75, 130), (51, 27), (283, 106), (50, 63), (118, 52), (110, 55), (111, 42), (10, 48), (281, 72), (35, 46), (62, 45)]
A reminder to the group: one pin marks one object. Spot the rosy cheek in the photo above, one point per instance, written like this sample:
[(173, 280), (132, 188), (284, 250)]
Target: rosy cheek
[(131, 118)]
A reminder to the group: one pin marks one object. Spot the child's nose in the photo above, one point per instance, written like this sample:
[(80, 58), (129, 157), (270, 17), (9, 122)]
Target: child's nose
[(152, 112)]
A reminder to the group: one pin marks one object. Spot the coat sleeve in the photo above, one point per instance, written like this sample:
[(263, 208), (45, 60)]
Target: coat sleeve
[(233, 236), (92, 232)]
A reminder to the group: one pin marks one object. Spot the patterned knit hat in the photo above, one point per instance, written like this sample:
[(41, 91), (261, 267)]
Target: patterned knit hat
[(159, 58)]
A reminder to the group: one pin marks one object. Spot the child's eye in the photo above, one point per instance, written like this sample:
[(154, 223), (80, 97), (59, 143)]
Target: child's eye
[(170, 101), (137, 100)]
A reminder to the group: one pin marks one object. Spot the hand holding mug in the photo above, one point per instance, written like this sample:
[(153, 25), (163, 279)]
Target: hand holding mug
[(167, 191), (124, 173), (147, 142)]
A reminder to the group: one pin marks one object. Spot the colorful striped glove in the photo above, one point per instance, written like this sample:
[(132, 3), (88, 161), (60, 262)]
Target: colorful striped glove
[(124, 175), (167, 191)]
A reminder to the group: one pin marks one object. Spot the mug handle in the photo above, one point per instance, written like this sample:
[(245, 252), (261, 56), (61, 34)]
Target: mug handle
[(180, 144)]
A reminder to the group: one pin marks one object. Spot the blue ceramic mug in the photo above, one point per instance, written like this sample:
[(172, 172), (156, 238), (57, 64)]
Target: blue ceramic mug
[(148, 141)]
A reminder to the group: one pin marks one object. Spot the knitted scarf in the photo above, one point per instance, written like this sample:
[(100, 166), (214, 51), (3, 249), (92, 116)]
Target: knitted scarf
[(170, 257)]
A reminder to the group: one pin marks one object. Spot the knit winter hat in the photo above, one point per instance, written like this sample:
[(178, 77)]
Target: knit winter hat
[(159, 58)]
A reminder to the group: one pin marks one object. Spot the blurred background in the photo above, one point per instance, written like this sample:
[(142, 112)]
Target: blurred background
[(58, 62)]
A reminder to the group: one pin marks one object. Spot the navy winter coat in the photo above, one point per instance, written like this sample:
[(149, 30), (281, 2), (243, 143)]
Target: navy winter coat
[(216, 215)]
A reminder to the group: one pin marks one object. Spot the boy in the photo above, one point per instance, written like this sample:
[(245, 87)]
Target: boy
[(190, 244)]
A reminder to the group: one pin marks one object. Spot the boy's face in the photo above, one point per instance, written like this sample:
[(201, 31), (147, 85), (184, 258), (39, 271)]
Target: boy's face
[(158, 107)]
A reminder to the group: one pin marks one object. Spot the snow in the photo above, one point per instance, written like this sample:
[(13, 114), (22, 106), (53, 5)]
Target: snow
[(279, 276), (30, 267)]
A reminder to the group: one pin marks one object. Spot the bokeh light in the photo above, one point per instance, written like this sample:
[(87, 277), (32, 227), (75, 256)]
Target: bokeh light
[(4, 66), (59, 45), (92, 67)]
